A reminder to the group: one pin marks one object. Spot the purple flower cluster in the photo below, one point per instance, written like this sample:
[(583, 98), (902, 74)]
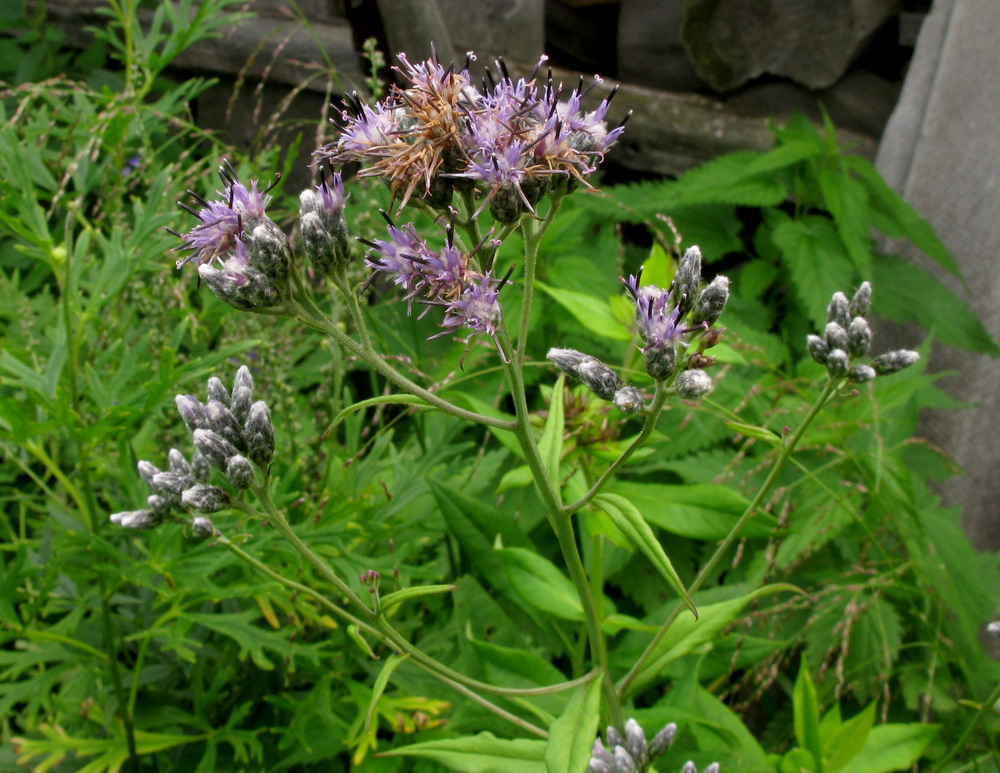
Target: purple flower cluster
[(509, 137), (444, 277)]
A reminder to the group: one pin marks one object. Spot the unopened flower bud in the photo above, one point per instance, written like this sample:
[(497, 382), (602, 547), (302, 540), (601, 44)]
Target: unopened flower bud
[(635, 742), (837, 362), (615, 738), (836, 336), (202, 528), (241, 286), (713, 768), (242, 400), (201, 470), (689, 767), (839, 310), (600, 766), (222, 421), (861, 374), (660, 361), (268, 250), (662, 740), (325, 248), (687, 280), (178, 464), (624, 762), (259, 434), (818, 349), (239, 472), (712, 301), (192, 412), (893, 362), (136, 519), (598, 752), (594, 374), (862, 300), (506, 206), (859, 337), (217, 391), (242, 379), (159, 505), (215, 448), (170, 486), (628, 399), (146, 471), (206, 499), (692, 384)]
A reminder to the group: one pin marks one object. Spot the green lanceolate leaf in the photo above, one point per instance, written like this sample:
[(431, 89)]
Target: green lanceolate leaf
[(806, 709), (593, 313), (539, 582), (391, 664), (848, 740), (551, 443), (893, 747), (687, 633), (631, 523), (571, 736), (754, 431), (399, 596), (483, 753), (380, 400), (658, 269)]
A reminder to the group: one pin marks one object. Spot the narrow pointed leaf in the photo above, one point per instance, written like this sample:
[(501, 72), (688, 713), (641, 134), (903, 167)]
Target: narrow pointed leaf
[(571, 736), (391, 664), (399, 596)]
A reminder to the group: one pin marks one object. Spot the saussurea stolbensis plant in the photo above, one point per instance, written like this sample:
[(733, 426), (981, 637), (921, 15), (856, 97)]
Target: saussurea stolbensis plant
[(514, 147)]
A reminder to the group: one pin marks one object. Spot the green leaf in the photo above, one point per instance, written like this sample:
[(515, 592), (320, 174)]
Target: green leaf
[(416, 591), (391, 664), (688, 634), (593, 313), (698, 511), (571, 736), (754, 431), (380, 400), (849, 739), (551, 443), (483, 753), (847, 202), (893, 747), (631, 523), (658, 270), (905, 292), (539, 582), (806, 711)]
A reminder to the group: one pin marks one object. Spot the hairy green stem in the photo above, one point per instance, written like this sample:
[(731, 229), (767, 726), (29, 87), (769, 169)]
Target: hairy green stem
[(532, 231), (653, 415), (562, 525), (626, 683)]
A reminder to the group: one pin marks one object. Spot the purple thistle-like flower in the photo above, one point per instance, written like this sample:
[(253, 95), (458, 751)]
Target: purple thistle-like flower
[(477, 309), (658, 322), (403, 254), (372, 131)]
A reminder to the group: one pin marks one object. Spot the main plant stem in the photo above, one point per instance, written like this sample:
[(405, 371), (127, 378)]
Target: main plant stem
[(625, 685)]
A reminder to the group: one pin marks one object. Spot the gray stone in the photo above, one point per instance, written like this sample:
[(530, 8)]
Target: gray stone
[(512, 28), (650, 52), (940, 152)]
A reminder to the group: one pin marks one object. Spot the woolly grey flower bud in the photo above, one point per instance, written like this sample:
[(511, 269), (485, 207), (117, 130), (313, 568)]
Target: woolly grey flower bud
[(712, 301), (326, 244), (222, 421), (818, 349), (178, 464), (692, 384), (689, 767), (598, 752), (242, 380), (159, 505), (660, 361), (214, 447), (687, 280), (239, 472), (628, 399), (594, 374), (192, 412), (206, 499), (169, 485), (268, 250), (615, 738), (136, 519), (839, 310), (635, 742), (893, 362), (862, 300), (506, 205), (259, 434), (201, 470), (242, 400), (836, 336), (859, 337), (837, 362), (624, 762), (861, 374), (241, 286), (217, 391), (146, 471), (662, 740), (713, 768), (202, 528), (600, 766)]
